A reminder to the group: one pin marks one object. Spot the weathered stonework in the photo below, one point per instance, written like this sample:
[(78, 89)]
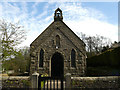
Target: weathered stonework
[(106, 82), (16, 82), (68, 41)]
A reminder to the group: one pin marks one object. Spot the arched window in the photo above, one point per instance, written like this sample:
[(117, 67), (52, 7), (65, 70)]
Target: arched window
[(73, 58), (57, 41), (41, 58)]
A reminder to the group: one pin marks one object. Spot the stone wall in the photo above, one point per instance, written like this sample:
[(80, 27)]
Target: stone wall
[(15, 82), (96, 82), (73, 82)]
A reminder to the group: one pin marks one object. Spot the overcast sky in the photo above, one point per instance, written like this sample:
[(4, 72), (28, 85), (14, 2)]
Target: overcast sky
[(90, 18)]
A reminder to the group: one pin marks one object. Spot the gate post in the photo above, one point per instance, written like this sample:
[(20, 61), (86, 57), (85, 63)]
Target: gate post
[(34, 80), (68, 81)]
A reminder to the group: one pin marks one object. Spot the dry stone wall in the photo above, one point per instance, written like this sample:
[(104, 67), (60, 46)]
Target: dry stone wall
[(96, 82), (15, 82)]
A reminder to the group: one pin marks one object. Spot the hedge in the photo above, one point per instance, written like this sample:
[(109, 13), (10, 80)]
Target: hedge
[(109, 58)]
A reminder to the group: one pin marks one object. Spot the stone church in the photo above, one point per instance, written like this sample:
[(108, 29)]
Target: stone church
[(58, 50)]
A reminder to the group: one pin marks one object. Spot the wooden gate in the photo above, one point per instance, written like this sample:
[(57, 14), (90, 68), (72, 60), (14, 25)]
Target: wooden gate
[(50, 83)]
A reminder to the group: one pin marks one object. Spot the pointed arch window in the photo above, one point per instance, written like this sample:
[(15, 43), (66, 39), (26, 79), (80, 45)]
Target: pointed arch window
[(57, 41), (41, 58), (73, 55)]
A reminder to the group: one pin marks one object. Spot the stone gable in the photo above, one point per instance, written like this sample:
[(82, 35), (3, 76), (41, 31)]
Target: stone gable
[(68, 41)]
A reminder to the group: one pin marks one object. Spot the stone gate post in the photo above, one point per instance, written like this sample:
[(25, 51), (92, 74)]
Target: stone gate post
[(34, 80), (68, 81)]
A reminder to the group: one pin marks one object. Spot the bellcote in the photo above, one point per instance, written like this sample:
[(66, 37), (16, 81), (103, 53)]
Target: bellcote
[(58, 15)]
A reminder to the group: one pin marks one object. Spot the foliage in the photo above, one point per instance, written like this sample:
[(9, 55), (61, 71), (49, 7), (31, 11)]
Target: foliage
[(26, 54), (105, 48), (15, 64), (106, 63), (107, 58), (94, 44), (103, 71), (21, 62), (10, 36)]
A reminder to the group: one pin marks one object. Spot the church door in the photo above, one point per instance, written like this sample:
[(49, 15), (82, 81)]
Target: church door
[(57, 65)]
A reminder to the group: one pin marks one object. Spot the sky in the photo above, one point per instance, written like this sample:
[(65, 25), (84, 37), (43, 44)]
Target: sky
[(91, 18)]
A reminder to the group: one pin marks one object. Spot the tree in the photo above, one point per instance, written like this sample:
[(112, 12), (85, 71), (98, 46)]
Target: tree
[(12, 34), (94, 44), (26, 54), (20, 63), (105, 48)]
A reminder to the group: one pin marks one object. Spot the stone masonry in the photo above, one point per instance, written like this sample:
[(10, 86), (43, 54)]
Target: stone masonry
[(68, 41)]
